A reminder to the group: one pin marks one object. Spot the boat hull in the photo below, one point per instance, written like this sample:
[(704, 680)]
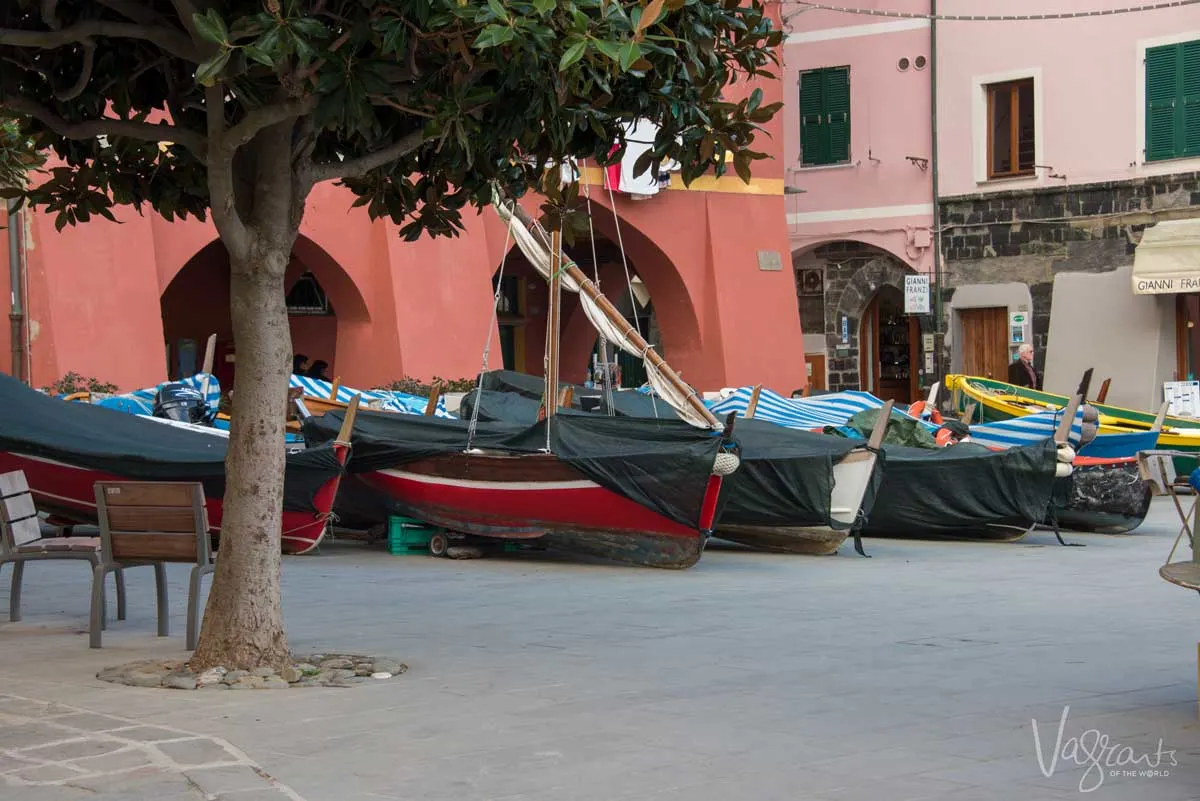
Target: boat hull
[(536, 496), (997, 400), (66, 491), (1103, 496), (851, 479), (808, 540)]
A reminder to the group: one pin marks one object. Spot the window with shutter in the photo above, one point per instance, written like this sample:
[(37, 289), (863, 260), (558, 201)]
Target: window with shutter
[(1173, 101), (1012, 129), (825, 116)]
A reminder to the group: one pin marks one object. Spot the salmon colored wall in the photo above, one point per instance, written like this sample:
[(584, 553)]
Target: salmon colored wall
[(425, 308)]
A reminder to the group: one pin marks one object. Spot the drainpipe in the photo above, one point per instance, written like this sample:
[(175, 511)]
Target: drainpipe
[(938, 316), (16, 313)]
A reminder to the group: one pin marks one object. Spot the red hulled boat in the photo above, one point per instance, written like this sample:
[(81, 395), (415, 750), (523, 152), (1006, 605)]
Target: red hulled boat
[(528, 496), (65, 448)]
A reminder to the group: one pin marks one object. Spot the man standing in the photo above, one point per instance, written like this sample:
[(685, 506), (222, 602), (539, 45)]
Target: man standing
[(1021, 372)]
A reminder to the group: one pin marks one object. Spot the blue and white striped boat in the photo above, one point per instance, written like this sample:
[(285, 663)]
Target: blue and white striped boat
[(141, 401), (385, 400), (837, 408)]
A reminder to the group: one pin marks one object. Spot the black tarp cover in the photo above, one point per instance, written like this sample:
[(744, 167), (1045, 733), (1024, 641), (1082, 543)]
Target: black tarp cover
[(137, 448), (961, 488), (786, 477), (625, 403), (663, 465)]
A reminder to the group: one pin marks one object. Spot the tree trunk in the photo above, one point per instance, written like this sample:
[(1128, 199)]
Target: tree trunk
[(243, 621)]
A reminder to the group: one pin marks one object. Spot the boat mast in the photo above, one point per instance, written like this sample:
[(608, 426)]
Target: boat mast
[(631, 335), (553, 319)]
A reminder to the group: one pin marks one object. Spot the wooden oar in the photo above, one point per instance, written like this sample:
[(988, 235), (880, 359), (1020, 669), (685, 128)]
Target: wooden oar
[(210, 353), (1085, 384), (1103, 396), (752, 404), (347, 429), (969, 413), (1162, 416), (1063, 434), (435, 394)]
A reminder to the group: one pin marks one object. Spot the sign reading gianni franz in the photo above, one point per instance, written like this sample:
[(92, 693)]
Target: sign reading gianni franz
[(1166, 284)]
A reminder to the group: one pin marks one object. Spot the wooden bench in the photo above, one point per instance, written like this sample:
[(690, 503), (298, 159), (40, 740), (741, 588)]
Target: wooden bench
[(150, 523), (22, 540)]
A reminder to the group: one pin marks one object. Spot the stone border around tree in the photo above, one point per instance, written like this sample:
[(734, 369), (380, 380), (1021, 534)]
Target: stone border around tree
[(315, 670)]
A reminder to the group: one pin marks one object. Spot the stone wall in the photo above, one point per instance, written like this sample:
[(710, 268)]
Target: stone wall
[(1030, 236)]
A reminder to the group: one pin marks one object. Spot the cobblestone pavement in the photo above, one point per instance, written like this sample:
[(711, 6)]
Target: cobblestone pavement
[(915, 674), (54, 751)]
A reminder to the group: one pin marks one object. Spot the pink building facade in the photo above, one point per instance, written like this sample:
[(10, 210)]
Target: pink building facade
[(860, 213), (133, 303), (1059, 141)]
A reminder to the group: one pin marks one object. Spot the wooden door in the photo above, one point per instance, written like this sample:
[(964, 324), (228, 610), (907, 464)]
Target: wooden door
[(816, 370), (985, 342)]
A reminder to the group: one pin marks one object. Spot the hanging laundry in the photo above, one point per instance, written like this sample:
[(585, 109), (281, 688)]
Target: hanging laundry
[(639, 138)]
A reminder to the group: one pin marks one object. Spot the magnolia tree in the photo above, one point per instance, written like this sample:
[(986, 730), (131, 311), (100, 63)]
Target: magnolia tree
[(420, 108)]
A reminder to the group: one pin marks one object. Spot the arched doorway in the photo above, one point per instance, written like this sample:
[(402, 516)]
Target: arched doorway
[(855, 292), (521, 313), (324, 305), (888, 348)]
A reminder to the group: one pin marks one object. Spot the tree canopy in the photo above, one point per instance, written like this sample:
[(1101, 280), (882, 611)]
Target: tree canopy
[(418, 106), (421, 108)]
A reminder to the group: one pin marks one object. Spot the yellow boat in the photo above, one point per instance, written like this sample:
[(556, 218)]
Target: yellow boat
[(997, 400)]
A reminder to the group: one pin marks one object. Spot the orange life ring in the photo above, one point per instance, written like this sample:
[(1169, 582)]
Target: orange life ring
[(944, 437), (918, 409)]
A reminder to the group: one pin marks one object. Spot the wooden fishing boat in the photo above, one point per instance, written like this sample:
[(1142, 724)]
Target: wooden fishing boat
[(1104, 496), (853, 475), (537, 496), (65, 448), (998, 400), (638, 491), (795, 492)]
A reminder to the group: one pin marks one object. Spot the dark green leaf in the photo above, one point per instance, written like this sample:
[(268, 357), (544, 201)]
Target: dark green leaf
[(254, 54), (498, 9), (211, 27), (493, 35), (741, 164), (754, 101), (572, 55), (544, 7), (630, 53), (206, 73)]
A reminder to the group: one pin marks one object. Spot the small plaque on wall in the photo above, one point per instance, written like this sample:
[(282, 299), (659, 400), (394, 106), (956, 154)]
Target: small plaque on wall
[(770, 261)]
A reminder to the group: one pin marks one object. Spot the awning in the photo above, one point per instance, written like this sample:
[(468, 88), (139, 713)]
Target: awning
[(1168, 259)]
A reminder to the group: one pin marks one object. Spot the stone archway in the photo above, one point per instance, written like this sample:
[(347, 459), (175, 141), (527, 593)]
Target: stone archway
[(853, 274), (328, 315)]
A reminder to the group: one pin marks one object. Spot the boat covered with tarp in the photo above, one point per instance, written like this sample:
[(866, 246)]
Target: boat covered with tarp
[(65, 448), (638, 491), (795, 491)]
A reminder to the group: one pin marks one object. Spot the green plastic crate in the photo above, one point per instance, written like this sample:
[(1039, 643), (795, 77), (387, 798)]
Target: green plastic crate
[(406, 535)]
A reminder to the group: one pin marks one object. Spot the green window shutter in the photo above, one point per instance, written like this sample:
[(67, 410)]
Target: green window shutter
[(813, 138), (837, 113), (1162, 84), (1189, 91)]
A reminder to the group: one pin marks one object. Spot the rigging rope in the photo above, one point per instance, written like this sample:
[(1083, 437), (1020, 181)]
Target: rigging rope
[(1107, 12), (637, 326), (606, 379), (487, 345)]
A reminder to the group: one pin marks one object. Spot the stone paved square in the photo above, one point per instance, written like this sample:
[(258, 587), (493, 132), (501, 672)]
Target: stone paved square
[(914, 675)]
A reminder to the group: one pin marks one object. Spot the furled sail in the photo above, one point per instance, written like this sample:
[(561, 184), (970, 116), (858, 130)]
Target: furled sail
[(615, 329)]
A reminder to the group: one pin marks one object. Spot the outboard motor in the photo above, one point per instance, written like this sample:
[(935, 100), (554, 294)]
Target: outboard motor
[(181, 403)]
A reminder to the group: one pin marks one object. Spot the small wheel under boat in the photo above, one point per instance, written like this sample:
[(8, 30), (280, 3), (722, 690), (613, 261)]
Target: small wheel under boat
[(438, 544)]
